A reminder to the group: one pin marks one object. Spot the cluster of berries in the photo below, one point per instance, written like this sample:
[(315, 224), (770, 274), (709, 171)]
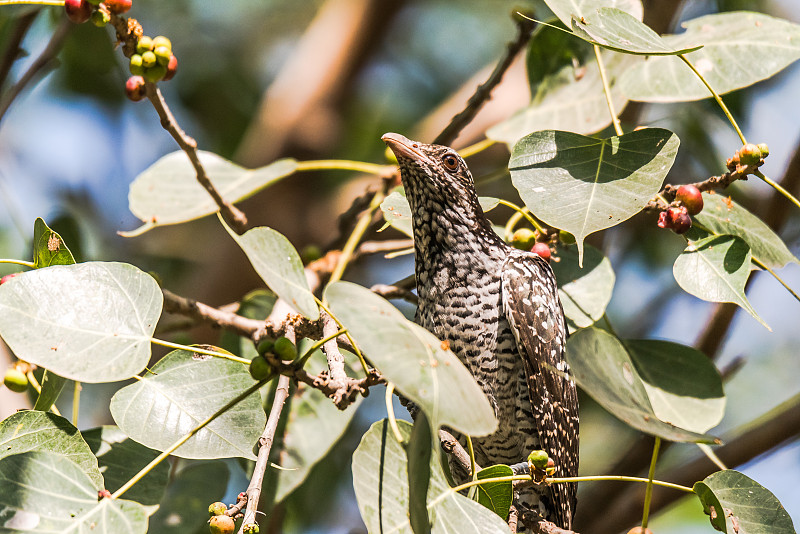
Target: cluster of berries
[(221, 523), (525, 239), (677, 218), (749, 155), (152, 62), (79, 11)]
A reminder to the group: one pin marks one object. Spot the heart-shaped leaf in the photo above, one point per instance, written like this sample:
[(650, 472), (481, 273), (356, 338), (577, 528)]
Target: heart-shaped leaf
[(566, 9), (742, 505), (715, 269), (585, 292), (30, 430), (48, 492), (683, 385), (181, 391), (496, 496), (721, 216), (422, 367), (381, 484), (581, 184), (48, 247), (277, 263), (603, 368), (739, 49), (617, 30), (90, 322), (168, 191)]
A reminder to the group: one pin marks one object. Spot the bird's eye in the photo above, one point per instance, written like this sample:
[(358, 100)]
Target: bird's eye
[(450, 162)]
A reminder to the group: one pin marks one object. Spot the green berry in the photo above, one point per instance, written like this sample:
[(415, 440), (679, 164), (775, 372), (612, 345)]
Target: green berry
[(145, 44), (523, 239), (566, 237), (749, 154), (221, 524), (265, 345), (136, 67), (155, 73), (764, 149), (149, 59), (163, 54), (216, 508), (15, 380), (284, 349), (100, 18), (250, 528), (538, 459), (259, 368), (310, 253), (162, 41)]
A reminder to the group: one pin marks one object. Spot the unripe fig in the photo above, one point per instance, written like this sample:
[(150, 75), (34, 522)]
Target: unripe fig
[(538, 459), (172, 68), (216, 508), (566, 237), (250, 528), (764, 149), (149, 59), (542, 249), (749, 154), (260, 369), (100, 18), (163, 54), (221, 524), (78, 11), (691, 197), (155, 73), (265, 345), (145, 44), (135, 66), (523, 239), (284, 349), (15, 380), (118, 6), (134, 88), (162, 41), (310, 253)]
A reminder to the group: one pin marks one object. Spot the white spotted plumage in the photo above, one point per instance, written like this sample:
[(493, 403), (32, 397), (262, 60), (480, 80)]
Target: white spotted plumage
[(498, 309)]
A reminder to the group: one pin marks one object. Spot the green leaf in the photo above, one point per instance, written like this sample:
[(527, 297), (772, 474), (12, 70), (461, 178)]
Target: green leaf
[(314, 425), (120, 458), (418, 454), (185, 506), (585, 292), (549, 52), (413, 359), (603, 368), (566, 9), (49, 247), (168, 191), (28, 430), (715, 269), (581, 184), (90, 322), (277, 263), (181, 391), (572, 100), (496, 496), (684, 387), (740, 49), (721, 216), (616, 30), (52, 385), (380, 481), (742, 505), (48, 492)]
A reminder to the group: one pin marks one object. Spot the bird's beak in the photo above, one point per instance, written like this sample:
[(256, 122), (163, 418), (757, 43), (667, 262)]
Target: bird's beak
[(402, 146)]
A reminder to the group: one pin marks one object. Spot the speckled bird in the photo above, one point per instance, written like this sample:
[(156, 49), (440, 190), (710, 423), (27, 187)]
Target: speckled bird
[(499, 310)]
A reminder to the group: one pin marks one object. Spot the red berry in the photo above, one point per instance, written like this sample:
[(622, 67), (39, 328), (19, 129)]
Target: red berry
[(8, 277), (691, 197), (542, 249), (664, 220), (172, 68), (749, 154), (134, 88), (78, 11), (118, 6), (680, 222)]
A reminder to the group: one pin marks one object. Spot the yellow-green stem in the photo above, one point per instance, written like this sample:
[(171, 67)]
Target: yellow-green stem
[(301, 361), (198, 350), (355, 237), (76, 403), (523, 212), (480, 146), (164, 455), (776, 186), (36, 386), (18, 262), (390, 413), (607, 90), (720, 103), (619, 478), (778, 278), (341, 165), (32, 2), (648, 493)]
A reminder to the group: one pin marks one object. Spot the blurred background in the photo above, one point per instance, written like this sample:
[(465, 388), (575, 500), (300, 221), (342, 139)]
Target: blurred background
[(323, 80)]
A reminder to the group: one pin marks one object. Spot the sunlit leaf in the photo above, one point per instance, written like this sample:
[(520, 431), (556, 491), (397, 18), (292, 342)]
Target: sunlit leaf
[(168, 191), (49, 247), (422, 367), (90, 321), (566, 9), (581, 184), (181, 391)]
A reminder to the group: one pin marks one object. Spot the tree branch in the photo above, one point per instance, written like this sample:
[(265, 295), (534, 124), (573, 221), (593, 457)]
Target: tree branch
[(483, 92), (14, 49), (208, 314)]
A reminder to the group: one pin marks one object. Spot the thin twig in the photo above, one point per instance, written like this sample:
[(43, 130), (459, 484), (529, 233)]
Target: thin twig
[(39, 65), (13, 48), (394, 292), (483, 92), (451, 446), (336, 372), (208, 314)]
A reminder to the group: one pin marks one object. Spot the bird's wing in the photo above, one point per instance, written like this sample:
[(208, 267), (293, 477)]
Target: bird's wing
[(532, 308)]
